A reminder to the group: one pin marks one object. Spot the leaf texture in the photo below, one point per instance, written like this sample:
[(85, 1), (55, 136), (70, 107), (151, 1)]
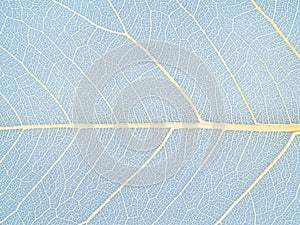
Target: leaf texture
[(149, 112)]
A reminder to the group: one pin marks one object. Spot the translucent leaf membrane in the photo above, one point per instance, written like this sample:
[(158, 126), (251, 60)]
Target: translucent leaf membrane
[(139, 112)]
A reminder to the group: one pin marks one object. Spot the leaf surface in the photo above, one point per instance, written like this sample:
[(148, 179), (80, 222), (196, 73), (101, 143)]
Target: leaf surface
[(149, 112)]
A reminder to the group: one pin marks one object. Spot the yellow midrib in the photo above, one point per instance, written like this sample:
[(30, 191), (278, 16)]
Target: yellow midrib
[(173, 125)]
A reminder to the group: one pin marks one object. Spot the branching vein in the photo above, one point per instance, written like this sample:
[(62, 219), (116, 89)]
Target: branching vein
[(129, 179), (285, 39), (252, 185)]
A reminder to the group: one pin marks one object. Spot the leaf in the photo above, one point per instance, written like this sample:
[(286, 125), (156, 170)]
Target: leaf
[(149, 112)]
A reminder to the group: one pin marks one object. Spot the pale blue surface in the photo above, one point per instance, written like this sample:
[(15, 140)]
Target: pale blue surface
[(55, 45)]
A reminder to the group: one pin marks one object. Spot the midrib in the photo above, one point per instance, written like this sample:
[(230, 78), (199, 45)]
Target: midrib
[(174, 125)]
